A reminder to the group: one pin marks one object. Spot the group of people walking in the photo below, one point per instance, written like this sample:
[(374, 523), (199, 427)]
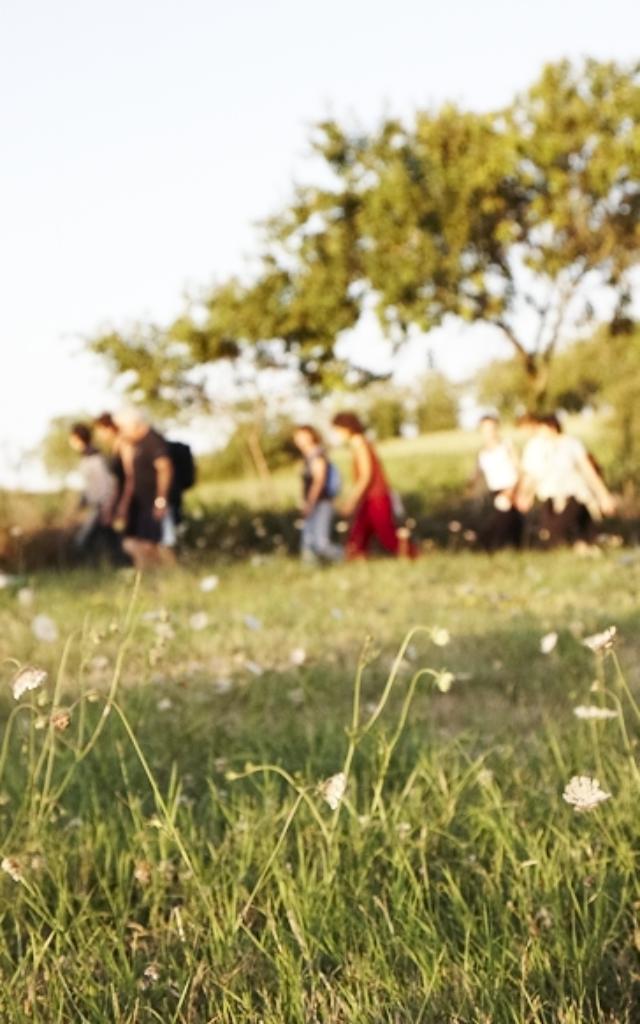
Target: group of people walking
[(135, 480), (133, 488), (555, 483)]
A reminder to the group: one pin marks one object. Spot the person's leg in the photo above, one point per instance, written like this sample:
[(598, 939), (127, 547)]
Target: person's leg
[(360, 533), (307, 539), (322, 545), (383, 523)]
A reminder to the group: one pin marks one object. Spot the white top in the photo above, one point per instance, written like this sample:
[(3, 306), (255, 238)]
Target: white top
[(556, 466), (499, 466)]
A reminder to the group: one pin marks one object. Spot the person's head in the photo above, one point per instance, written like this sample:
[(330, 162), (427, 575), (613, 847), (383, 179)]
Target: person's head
[(550, 424), (528, 423), (132, 424), (347, 426), (306, 438), (106, 429), (489, 428), (80, 437)]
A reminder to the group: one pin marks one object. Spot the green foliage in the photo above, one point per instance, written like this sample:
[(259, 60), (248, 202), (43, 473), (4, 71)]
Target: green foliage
[(437, 407), (54, 450), (487, 217), (238, 457), (386, 416)]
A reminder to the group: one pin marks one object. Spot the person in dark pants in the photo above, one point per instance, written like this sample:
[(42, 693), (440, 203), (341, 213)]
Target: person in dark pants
[(96, 539), (499, 466), (144, 505)]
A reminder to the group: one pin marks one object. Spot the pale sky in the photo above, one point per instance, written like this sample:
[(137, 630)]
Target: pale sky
[(143, 139)]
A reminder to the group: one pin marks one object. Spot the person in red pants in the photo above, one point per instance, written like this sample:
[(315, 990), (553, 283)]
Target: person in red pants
[(369, 503)]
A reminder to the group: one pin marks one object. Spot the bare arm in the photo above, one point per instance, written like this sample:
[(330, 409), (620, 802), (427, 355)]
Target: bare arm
[(599, 489), (164, 476), (364, 474)]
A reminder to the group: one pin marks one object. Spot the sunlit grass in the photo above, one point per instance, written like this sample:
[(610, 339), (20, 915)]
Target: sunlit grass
[(170, 851)]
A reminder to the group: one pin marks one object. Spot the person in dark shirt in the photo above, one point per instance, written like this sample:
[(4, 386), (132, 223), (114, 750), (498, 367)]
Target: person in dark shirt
[(144, 505), (318, 495)]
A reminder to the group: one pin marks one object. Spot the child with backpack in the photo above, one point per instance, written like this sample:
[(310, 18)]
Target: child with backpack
[(320, 485)]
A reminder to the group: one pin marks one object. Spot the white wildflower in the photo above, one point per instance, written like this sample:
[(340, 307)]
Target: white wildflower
[(12, 867), (333, 789), (164, 631), (5, 580), (44, 629), (592, 712), (251, 622), (548, 643), (209, 583), (28, 678), (222, 685), (440, 637), (584, 793), (444, 681), (455, 526), (298, 656), (603, 641), (26, 596), (199, 621), (165, 704)]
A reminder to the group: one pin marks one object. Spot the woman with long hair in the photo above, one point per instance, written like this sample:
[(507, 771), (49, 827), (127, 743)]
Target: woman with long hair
[(369, 504)]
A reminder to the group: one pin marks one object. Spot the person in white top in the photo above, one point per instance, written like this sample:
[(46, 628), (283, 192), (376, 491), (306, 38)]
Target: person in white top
[(558, 471), (499, 465), (95, 537)]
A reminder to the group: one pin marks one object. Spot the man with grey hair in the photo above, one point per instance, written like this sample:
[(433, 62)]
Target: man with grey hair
[(144, 505)]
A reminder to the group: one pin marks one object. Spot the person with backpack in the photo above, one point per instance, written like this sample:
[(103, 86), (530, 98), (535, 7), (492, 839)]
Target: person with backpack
[(320, 485), (184, 476)]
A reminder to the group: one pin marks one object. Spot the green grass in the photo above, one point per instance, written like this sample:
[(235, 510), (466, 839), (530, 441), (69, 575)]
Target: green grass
[(180, 865)]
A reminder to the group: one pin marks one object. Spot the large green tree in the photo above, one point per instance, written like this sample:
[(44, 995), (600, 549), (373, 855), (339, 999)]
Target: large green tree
[(525, 219)]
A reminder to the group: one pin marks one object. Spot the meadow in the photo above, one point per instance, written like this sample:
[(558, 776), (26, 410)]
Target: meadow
[(254, 791)]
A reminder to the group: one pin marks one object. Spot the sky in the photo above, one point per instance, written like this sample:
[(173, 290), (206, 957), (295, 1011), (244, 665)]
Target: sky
[(143, 140)]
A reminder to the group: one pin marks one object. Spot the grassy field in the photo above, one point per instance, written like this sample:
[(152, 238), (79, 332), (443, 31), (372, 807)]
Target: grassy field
[(169, 853)]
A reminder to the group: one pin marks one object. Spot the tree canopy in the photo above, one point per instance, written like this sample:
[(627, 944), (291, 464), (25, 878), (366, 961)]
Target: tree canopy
[(525, 218)]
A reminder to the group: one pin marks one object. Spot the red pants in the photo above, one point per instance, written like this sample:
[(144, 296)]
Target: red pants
[(373, 518)]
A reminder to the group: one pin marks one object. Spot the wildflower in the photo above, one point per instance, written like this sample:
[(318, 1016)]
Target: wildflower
[(165, 704), (142, 872), (253, 667), (298, 656), (584, 793), (440, 637), (25, 597), (444, 681), (337, 614), (27, 679), (164, 631), (12, 867), (548, 643), (470, 536), (5, 580), (403, 829), (333, 789), (455, 526), (222, 685), (60, 719), (209, 583), (199, 621), (44, 629), (150, 975), (592, 712), (251, 622), (485, 778), (601, 641)]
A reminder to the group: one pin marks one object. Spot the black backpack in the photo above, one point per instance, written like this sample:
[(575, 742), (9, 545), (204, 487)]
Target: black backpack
[(184, 467)]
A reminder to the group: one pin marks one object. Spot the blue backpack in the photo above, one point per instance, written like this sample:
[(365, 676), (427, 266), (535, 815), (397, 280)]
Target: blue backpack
[(333, 485)]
